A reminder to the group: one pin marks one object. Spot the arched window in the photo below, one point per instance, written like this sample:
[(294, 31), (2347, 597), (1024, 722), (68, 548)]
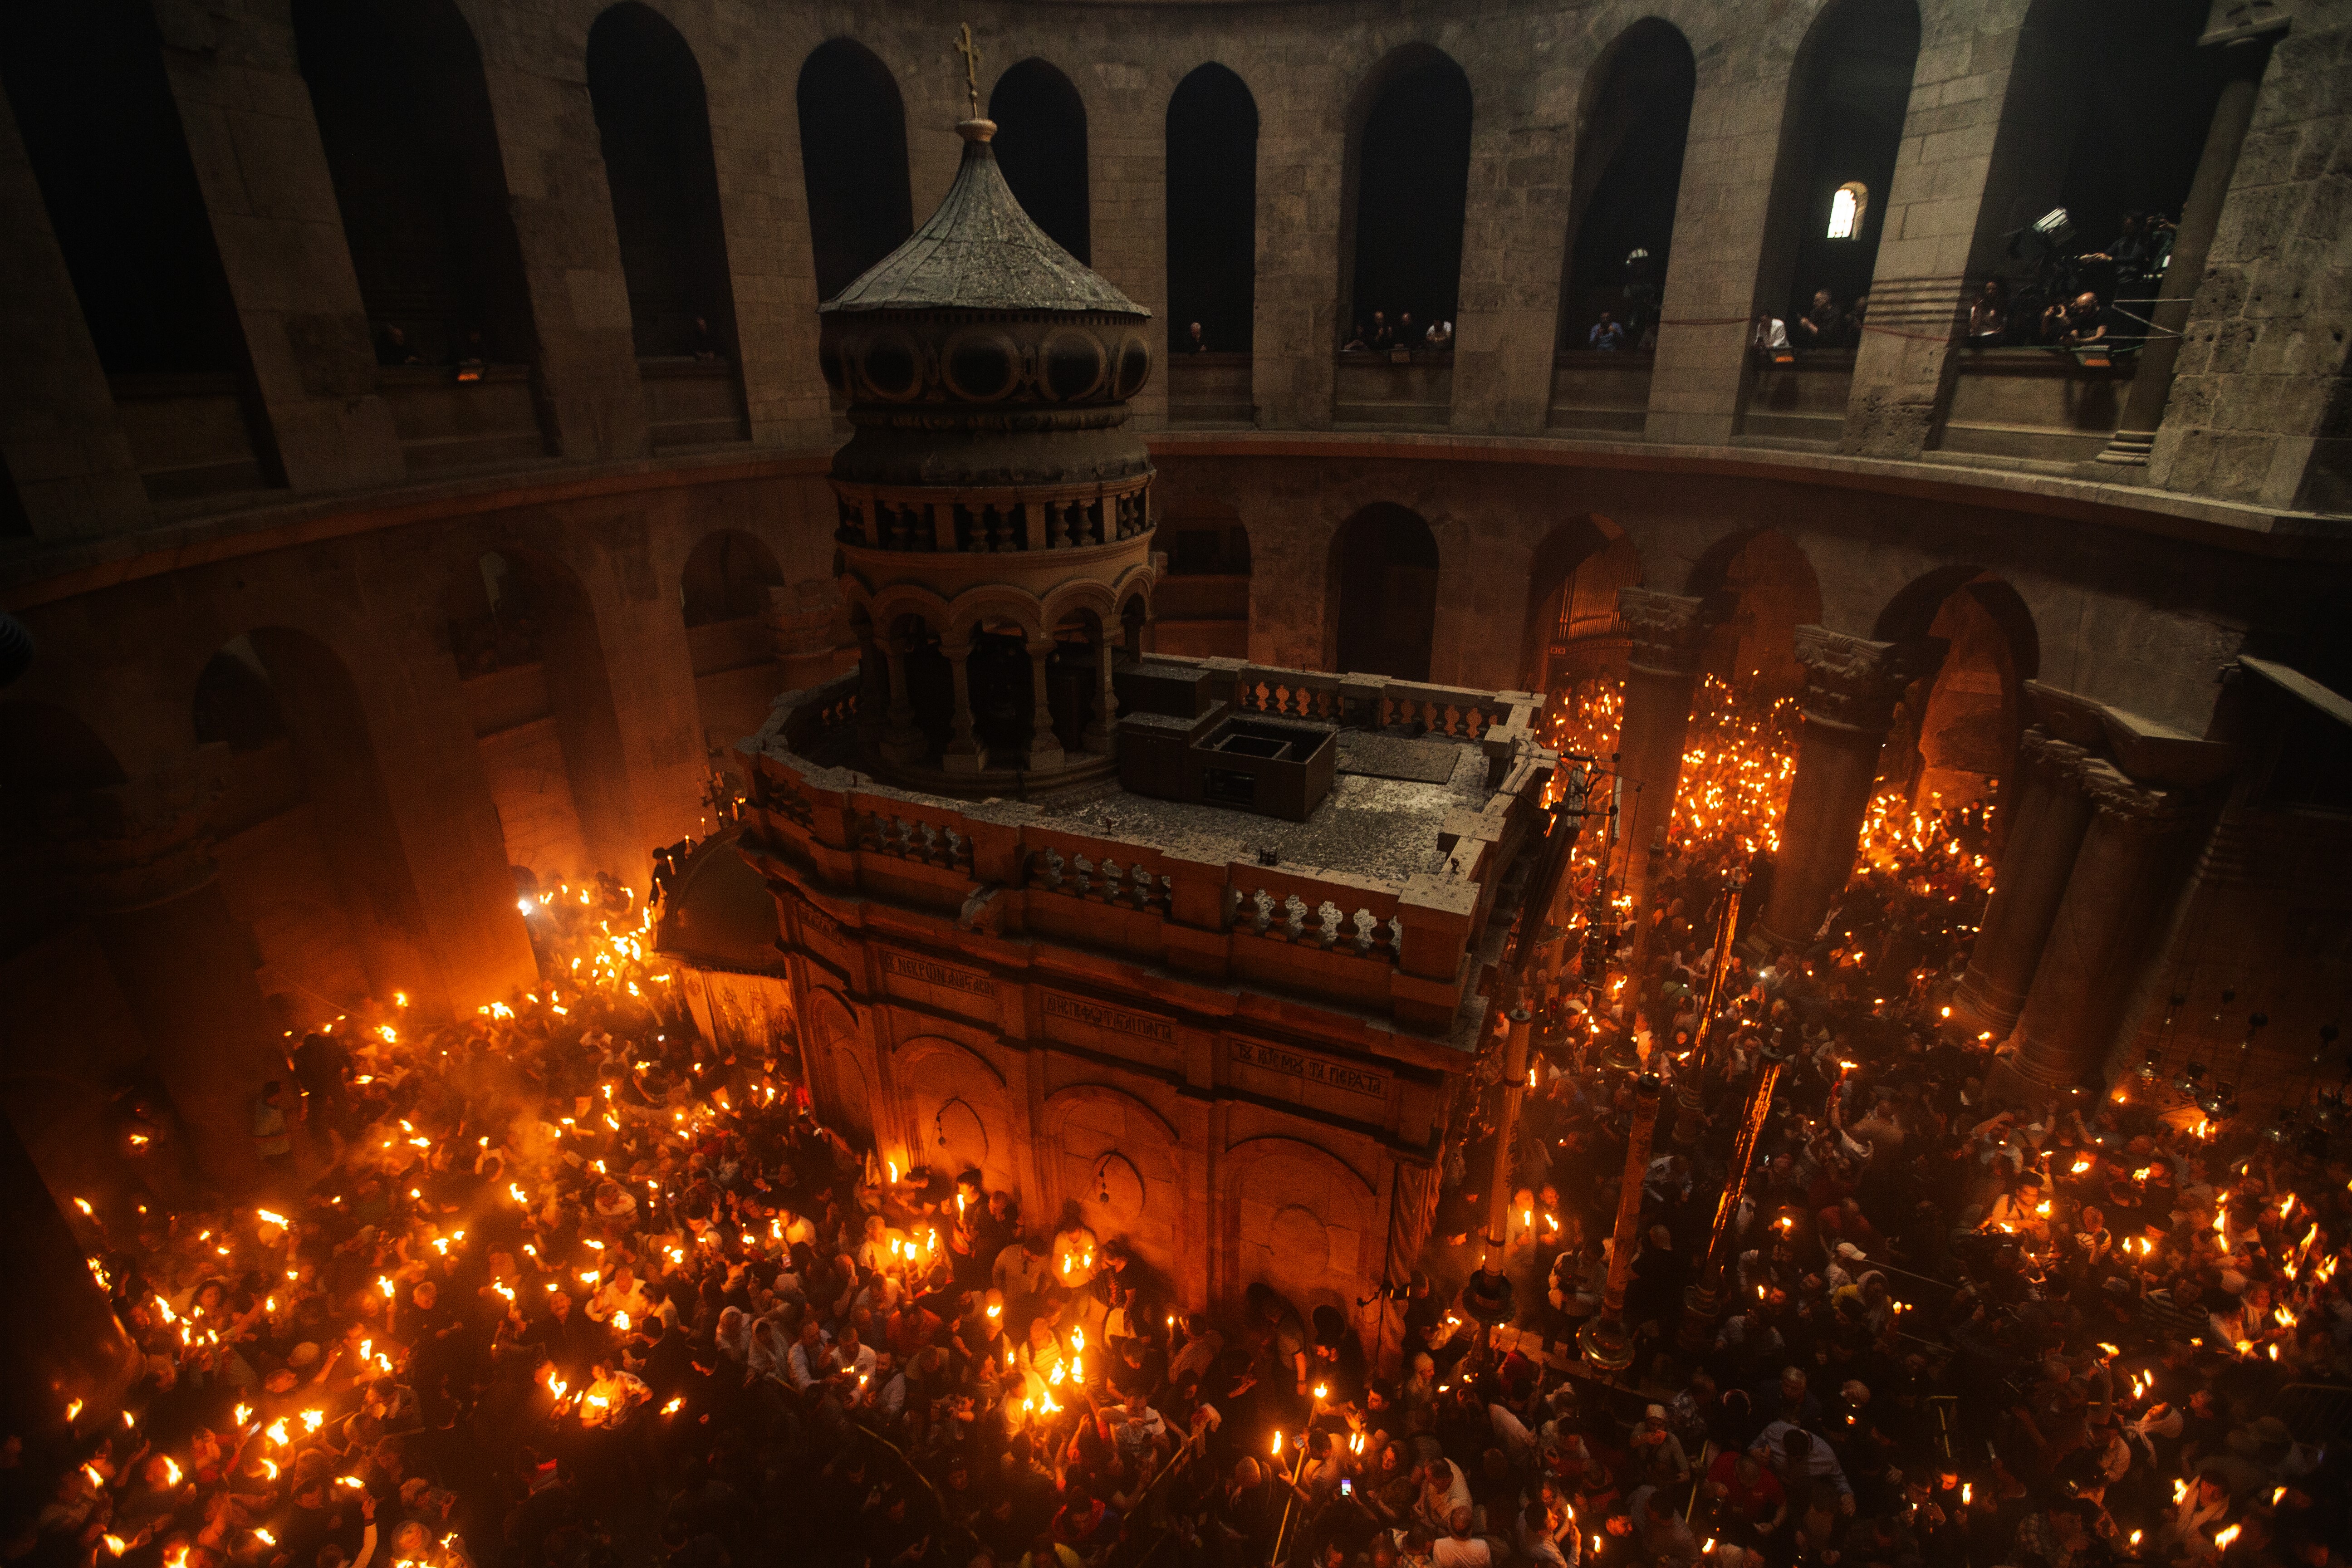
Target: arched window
[(1848, 204), (1212, 211), (1412, 179), (403, 113), (1041, 145), (1848, 97), (853, 161), (103, 134), (654, 125), (1383, 594), (1629, 170)]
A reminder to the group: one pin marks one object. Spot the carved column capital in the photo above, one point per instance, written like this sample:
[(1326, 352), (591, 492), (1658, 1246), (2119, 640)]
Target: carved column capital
[(1853, 683), (2136, 808), (1669, 630), (2060, 761), (137, 843)]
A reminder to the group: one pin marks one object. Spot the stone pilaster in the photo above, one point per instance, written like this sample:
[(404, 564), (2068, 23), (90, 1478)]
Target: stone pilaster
[(2052, 815), (1669, 633), (59, 438), (2086, 968), (263, 171), (1852, 685), (140, 866)]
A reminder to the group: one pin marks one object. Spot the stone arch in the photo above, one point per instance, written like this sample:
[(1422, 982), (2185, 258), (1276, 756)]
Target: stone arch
[(1570, 635), (1405, 189), (329, 754), (283, 864), (1844, 119), (727, 577), (1773, 590), (834, 1046), (974, 608), (1381, 586), (92, 98), (1273, 1188), (47, 748), (853, 161), (1956, 734), (886, 606), (403, 112), (516, 605), (1629, 162), (653, 119), (1091, 1121), (1212, 193), (1041, 146), (1096, 598), (935, 1073)]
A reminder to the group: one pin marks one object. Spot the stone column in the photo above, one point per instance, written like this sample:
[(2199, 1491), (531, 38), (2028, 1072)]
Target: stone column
[(1105, 720), (1045, 746), (902, 740), (2085, 973), (143, 869), (1669, 633), (60, 1341), (873, 686), (562, 213), (1852, 685), (2245, 52), (963, 754), (2052, 814)]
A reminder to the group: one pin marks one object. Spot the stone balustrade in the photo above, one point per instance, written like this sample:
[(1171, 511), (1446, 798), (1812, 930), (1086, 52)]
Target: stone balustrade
[(1161, 893), (1044, 517)]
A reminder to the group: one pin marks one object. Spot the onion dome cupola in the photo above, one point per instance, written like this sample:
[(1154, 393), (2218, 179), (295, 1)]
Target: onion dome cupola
[(995, 520)]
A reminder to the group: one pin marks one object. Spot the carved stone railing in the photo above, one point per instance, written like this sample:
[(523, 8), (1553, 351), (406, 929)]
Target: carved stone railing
[(1038, 517), (1402, 945)]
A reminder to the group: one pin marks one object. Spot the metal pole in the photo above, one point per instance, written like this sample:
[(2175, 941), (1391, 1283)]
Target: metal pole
[(1687, 1085), (1704, 1299), (1607, 1342), (1515, 1088)]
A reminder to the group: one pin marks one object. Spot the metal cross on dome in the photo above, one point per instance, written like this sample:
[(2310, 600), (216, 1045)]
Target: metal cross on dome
[(971, 53)]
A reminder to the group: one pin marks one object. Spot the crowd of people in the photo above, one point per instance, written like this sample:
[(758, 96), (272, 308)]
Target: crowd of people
[(1383, 336), (566, 1285)]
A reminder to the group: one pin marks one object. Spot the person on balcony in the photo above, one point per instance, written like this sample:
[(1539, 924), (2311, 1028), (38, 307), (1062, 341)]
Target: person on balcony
[(1195, 343), (1822, 324), (1607, 335)]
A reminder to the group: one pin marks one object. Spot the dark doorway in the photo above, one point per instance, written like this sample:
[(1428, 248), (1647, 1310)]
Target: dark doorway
[(1851, 92), (1212, 210), (1041, 145), (1629, 171), (1383, 578), (853, 161), (405, 115), (102, 132), (1413, 178), (654, 125)]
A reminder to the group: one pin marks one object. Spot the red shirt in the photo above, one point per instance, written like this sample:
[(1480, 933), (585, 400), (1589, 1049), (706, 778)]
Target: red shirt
[(1755, 1500)]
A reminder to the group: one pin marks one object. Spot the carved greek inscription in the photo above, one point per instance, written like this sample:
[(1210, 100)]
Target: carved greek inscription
[(1312, 1069), (925, 971), (1116, 1020)]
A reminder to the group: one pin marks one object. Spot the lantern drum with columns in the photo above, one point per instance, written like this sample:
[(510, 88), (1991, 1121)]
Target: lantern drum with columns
[(995, 523)]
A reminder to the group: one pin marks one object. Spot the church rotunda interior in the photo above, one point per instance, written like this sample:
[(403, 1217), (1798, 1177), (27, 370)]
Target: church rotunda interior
[(1210, 782)]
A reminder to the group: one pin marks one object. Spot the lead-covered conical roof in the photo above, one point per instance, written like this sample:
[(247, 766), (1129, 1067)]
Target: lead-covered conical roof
[(981, 252)]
